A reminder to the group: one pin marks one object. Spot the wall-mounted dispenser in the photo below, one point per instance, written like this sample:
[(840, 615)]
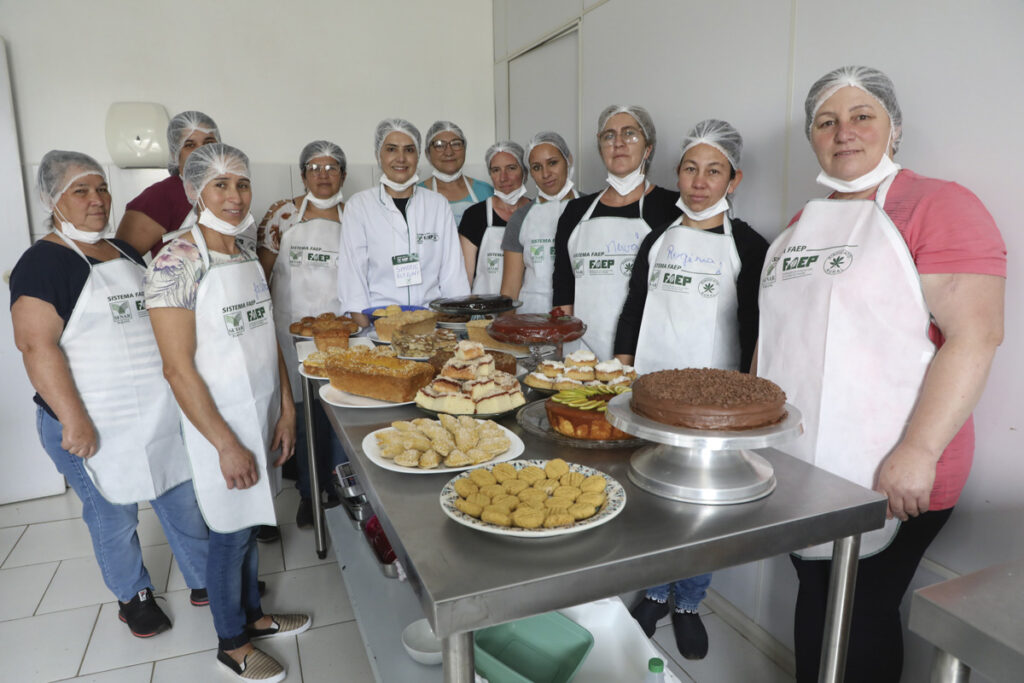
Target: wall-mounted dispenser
[(137, 134)]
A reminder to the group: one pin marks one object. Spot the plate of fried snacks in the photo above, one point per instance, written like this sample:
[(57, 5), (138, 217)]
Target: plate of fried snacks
[(533, 498), (449, 444)]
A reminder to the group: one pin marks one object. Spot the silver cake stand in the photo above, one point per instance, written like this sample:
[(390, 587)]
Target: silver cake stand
[(702, 466)]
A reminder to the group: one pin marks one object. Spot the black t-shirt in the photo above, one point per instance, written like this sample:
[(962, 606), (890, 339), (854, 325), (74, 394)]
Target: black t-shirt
[(752, 249), (474, 222), (56, 274), (659, 211), (401, 203)]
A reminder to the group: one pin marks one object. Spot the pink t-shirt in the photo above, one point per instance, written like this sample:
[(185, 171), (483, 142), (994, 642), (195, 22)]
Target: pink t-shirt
[(948, 230), (166, 203)]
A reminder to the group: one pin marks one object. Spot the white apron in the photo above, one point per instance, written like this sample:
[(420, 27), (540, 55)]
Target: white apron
[(844, 332), (602, 251), (304, 280), (116, 365), (690, 313), (490, 258), (236, 355), (537, 235), (459, 206)]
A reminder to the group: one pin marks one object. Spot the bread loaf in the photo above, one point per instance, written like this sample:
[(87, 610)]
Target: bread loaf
[(378, 376)]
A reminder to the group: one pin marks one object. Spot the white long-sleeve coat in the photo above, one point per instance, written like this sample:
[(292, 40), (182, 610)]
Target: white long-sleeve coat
[(375, 231)]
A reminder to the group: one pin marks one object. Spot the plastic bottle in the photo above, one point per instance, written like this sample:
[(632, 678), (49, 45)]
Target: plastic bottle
[(655, 671)]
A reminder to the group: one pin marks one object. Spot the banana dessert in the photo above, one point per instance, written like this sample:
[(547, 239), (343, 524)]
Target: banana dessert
[(579, 412)]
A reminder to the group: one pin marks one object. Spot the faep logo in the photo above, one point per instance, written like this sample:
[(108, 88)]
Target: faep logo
[(837, 262), (426, 237), (233, 323)]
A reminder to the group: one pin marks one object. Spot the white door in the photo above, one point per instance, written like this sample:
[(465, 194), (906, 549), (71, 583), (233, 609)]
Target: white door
[(28, 472)]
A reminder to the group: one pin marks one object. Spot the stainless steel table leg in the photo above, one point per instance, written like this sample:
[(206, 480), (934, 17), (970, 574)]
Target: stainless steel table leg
[(840, 608), (457, 653), (308, 394), (948, 669)]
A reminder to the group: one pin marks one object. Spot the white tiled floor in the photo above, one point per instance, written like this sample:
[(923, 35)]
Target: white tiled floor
[(58, 622)]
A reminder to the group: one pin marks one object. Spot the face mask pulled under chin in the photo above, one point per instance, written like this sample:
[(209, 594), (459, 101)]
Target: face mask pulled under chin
[(328, 203), (721, 206), (399, 187), (211, 221), (511, 197), (629, 182), (885, 168), (86, 236), (445, 178), (566, 189)]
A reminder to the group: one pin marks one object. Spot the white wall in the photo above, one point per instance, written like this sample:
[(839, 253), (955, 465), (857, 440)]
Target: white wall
[(957, 68), (273, 75)]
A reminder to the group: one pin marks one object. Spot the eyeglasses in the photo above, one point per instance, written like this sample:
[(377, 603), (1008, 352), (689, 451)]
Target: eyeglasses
[(457, 145), (329, 169), (628, 136)]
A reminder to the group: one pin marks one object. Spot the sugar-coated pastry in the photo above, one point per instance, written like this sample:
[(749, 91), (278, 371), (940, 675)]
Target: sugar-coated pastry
[(429, 459), (416, 441), (466, 438), (443, 443), (408, 458), (495, 445), (457, 458), (448, 422), (478, 456)]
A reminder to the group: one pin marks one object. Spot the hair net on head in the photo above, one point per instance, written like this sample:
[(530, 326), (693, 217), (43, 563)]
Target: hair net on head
[(548, 137), (322, 148), (208, 162), (642, 117), (389, 126), (871, 81), (720, 135), (513, 148), (443, 127), (58, 169), (178, 130)]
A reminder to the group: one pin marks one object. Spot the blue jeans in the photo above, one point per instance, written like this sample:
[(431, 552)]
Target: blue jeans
[(688, 592), (113, 527), (329, 451), (231, 579)]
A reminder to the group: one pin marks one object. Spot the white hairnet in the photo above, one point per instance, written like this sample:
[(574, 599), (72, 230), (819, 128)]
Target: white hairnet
[(548, 137), (208, 162), (720, 135), (389, 126), (58, 169), (513, 148), (872, 81), (443, 127), (322, 148), (641, 116), (178, 130)]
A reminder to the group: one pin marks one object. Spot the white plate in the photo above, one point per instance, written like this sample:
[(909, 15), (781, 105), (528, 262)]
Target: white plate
[(343, 399), (373, 453), (372, 336), (421, 359), (614, 492), (459, 327)]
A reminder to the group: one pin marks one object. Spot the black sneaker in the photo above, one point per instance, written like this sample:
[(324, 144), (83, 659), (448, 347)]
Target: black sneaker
[(268, 534), (647, 613), (144, 617), (691, 636), (304, 515), (257, 666), (200, 598)]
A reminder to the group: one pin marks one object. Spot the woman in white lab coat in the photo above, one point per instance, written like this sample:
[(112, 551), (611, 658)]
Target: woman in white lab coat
[(598, 235), (307, 230), (483, 225), (89, 350), (399, 245), (213, 318), (446, 152), (529, 241), (692, 303), (881, 309)]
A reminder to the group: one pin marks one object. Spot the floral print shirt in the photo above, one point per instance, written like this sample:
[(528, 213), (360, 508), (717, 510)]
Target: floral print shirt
[(172, 278)]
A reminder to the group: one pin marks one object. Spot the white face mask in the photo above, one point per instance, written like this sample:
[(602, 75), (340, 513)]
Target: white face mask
[(445, 178), (885, 168), (629, 182), (207, 218), (721, 206), (328, 203), (399, 187), (69, 229), (566, 189), (512, 197)]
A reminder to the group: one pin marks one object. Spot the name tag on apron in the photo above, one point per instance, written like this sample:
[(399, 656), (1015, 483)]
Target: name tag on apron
[(407, 270)]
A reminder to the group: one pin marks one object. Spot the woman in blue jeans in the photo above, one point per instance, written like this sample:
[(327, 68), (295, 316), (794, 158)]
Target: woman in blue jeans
[(213, 320), (89, 350)]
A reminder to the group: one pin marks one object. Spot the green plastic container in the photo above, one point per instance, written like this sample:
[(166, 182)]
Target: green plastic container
[(547, 648)]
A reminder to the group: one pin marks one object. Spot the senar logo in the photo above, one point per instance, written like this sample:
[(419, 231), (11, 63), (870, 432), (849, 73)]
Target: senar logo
[(121, 311), (233, 323), (838, 261)]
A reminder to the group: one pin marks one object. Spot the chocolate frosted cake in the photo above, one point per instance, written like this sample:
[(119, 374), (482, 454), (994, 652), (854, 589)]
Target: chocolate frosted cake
[(708, 399)]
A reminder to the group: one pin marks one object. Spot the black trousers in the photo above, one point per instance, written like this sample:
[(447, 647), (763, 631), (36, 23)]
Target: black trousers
[(875, 654)]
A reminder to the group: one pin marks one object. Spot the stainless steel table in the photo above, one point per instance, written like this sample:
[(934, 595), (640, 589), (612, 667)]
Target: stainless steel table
[(975, 622), (466, 580)]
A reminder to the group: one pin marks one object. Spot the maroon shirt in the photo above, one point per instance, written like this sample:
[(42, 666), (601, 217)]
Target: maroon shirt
[(164, 202)]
